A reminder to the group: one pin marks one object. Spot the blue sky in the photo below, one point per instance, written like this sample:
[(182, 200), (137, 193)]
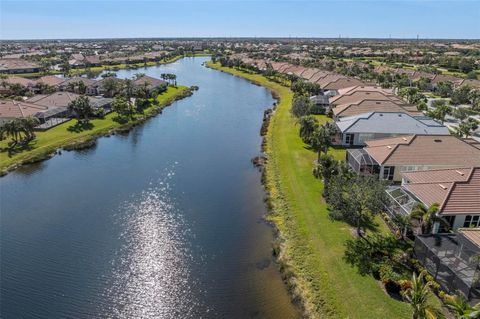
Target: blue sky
[(21, 19)]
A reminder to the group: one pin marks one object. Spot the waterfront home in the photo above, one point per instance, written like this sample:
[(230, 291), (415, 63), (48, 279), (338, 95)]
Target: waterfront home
[(5, 83), (390, 157), (355, 130), (101, 88), (367, 106), (358, 95), (455, 190), (73, 85), (51, 80), (13, 66), (453, 260), (63, 99), (149, 82), (10, 110)]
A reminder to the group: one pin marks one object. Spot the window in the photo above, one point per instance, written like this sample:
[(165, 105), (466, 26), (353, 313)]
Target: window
[(388, 172), (349, 139), (471, 221), (450, 220)]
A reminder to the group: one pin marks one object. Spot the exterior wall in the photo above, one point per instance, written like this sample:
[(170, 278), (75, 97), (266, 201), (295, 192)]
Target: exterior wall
[(408, 168)]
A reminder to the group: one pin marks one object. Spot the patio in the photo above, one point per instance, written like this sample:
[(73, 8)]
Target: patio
[(453, 261)]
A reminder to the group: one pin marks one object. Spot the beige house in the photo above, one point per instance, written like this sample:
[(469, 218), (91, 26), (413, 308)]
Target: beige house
[(391, 157)]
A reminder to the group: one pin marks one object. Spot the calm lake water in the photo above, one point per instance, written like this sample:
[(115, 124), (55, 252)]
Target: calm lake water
[(165, 222)]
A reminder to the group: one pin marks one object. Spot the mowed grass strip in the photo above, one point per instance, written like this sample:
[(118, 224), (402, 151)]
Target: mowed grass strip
[(60, 136), (313, 245)]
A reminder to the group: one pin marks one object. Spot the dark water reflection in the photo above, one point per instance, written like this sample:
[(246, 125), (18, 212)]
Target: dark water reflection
[(164, 222)]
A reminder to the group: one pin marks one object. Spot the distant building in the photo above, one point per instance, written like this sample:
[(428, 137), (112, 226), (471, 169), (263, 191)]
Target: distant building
[(13, 66)]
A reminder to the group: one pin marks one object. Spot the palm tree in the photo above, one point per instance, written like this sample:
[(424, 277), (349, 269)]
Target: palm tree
[(28, 125), (128, 88), (110, 86), (81, 107), (12, 129), (458, 304), (321, 139), (428, 217), (417, 297), (308, 125), (326, 168)]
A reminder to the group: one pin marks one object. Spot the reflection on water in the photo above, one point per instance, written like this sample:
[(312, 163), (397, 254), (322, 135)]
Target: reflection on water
[(162, 222), (151, 277)]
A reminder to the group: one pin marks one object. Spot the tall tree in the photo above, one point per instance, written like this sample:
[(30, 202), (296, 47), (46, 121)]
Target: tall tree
[(308, 125), (357, 199), (82, 108)]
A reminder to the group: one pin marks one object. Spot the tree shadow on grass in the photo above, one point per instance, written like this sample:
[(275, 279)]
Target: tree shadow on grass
[(368, 225), (80, 127), (20, 147)]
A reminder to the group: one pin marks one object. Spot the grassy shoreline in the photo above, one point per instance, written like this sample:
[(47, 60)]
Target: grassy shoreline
[(113, 67), (311, 245), (60, 137)]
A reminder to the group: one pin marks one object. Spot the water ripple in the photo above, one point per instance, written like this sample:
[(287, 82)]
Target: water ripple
[(151, 276)]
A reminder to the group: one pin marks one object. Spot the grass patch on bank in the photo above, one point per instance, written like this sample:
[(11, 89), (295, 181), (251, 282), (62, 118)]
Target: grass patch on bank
[(113, 67), (63, 135), (312, 246)]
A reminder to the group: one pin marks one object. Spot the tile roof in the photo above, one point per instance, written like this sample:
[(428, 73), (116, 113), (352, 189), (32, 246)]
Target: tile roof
[(430, 150), (17, 109), (360, 95), (19, 80), (367, 105), (472, 234), (51, 80), (17, 64), (457, 191)]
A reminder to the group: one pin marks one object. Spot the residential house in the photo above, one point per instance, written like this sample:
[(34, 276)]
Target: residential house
[(359, 94), (390, 157), (61, 100), (149, 82), (10, 110), (72, 85), (455, 190), (456, 81), (11, 80), (13, 66), (77, 60), (355, 130), (51, 80), (368, 106)]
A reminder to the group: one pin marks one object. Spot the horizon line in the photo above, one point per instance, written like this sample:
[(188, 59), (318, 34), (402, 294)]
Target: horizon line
[(242, 37)]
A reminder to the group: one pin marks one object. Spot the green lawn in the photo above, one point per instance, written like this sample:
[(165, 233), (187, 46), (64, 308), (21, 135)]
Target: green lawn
[(313, 245), (59, 136), (114, 67)]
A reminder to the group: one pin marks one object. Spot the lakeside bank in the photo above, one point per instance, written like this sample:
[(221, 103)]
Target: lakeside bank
[(46, 144), (171, 211), (112, 67), (311, 245)]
